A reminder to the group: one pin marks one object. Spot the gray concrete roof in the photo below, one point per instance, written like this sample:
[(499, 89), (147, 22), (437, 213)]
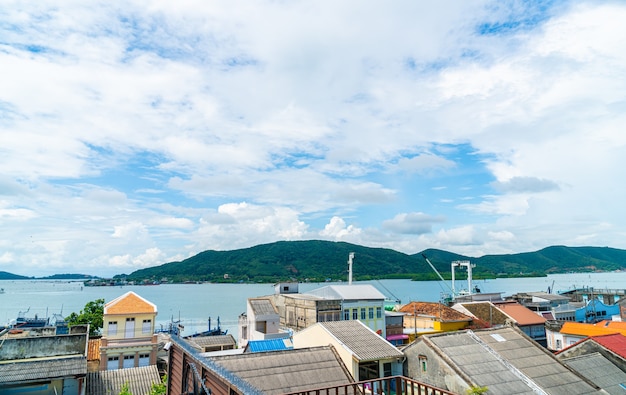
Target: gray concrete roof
[(278, 372), (600, 371), (30, 370), (507, 362), (108, 382), (361, 340), (262, 306)]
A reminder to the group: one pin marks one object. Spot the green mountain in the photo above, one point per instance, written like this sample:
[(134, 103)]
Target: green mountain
[(317, 260)]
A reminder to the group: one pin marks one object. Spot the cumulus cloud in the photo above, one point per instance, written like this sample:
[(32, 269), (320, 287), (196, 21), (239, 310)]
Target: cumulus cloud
[(181, 127), (412, 223), (337, 229)]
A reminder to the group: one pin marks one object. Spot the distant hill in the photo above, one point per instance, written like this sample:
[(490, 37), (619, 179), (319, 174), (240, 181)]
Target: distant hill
[(11, 276), (68, 276), (318, 260)]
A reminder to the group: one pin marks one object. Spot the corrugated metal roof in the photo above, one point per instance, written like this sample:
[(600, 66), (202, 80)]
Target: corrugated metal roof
[(485, 311), (269, 345), (93, 350), (262, 306), (218, 340), (361, 340), (279, 372), (615, 343), (583, 329), (109, 382), (508, 362), (130, 302), (31, 370), (600, 371), (349, 292)]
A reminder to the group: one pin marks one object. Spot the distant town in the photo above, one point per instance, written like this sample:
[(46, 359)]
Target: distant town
[(346, 338)]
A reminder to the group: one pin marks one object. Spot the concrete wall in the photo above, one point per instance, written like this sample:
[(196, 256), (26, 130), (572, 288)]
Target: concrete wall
[(438, 373), (43, 346)]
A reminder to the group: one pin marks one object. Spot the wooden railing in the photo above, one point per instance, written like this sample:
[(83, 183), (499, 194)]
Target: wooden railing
[(395, 385)]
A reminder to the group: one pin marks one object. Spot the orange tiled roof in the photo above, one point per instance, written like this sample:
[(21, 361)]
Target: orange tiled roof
[(130, 302), (442, 312), (521, 314)]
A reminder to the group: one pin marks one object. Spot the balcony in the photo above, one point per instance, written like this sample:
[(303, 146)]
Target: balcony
[(394, 385)]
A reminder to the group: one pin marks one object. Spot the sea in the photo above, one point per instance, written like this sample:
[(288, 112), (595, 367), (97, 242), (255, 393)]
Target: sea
[(197, 306)]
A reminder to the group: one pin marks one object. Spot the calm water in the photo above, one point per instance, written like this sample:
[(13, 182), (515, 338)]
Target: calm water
[(195, 303)]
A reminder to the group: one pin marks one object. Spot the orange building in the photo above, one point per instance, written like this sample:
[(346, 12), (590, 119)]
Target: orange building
[(128, 333)]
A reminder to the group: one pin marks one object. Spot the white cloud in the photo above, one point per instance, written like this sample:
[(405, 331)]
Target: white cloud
[(337, 229), (132, 133)]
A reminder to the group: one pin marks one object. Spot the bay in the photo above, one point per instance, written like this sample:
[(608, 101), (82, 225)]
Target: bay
[(193, 304)]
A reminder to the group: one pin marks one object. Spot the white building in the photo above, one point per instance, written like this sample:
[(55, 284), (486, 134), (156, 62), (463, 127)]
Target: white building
[(361, 302), (260, 322)]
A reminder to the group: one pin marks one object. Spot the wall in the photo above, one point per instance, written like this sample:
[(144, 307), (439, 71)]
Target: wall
[(43, 346), (438, 372), (121, 325), (316, 336)]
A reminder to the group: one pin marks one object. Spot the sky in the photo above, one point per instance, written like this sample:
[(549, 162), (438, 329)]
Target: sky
[(135, 133)]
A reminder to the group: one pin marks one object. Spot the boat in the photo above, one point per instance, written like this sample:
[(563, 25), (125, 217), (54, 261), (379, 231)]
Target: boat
[(29, 322), (211, 332), (471, 294)]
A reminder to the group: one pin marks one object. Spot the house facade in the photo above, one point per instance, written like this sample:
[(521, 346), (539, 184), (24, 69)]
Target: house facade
[(128, 338), (504, 360), (38, 361), (430, 317), (366, 354), (260, 322), (359, 302), (568, 334)]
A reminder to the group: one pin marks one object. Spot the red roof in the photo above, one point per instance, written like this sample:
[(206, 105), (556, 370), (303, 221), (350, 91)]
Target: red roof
[(615, 342)]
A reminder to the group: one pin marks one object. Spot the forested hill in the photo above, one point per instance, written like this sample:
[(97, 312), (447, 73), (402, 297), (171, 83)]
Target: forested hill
[(317, 260), (11, 276)]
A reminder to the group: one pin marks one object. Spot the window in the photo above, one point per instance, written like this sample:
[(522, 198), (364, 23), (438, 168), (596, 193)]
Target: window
[(387, 369), (379, 312), (129, 361), (355, 314), (130, 327), (362, 313), (112, 328), (144, 359), (146, 326), (113, 363), (559, 344), (346, 314), (423, 360), (371, 313)]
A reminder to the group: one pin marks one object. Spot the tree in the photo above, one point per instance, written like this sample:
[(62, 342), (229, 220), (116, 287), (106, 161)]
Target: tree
[(476, 390), (159, 389), (125, 390), (92, 314)]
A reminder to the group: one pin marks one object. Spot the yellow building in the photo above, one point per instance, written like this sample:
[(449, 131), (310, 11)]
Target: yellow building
[(428, 317), (128, 333)]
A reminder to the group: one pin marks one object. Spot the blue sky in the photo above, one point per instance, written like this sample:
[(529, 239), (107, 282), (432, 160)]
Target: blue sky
[(141, 132)]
